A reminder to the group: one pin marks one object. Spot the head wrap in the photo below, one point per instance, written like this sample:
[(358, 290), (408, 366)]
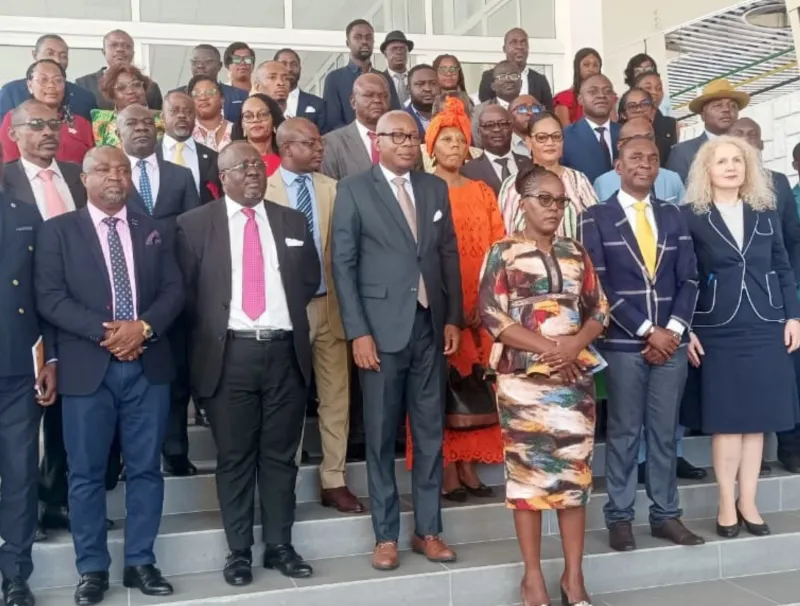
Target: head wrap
[(452, 114)]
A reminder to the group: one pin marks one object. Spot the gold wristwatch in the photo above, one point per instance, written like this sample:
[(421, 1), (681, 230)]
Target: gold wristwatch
[(147, 330)]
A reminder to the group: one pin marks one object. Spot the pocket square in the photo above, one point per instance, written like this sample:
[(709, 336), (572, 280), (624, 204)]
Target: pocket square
[(437, 215), (154, 238), (25, 228), (310, 110), (293, 242)]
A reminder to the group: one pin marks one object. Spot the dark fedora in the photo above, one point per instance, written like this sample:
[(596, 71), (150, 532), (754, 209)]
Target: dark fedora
[(397, 36)]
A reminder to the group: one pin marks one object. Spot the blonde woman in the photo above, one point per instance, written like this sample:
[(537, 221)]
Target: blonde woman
[(546, 144), (745, 323)]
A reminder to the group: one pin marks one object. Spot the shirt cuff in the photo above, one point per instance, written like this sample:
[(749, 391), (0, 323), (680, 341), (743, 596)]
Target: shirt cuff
[(646, 325), (52, 361), (676, 327)]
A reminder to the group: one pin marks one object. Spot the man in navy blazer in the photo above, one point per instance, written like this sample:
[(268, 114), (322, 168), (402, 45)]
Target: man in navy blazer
[(20, 405), (50, 46), (423, 86), (645, 260), (300, 104), (339, 83), (111, 286), (590, 144)]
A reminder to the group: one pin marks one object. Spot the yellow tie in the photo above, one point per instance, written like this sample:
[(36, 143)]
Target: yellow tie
[(645, 237), (179, 159)]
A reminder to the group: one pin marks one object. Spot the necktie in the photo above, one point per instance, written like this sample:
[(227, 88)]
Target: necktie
[(304, 201), (123, 296), (178, 158), (52, 199), (410, 213), (505, 173), (254, 298), (402, 88), (600, 130), (145, 191), (373, 148), (645, 237)]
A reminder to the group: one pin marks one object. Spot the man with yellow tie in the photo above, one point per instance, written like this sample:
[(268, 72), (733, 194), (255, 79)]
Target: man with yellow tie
[(645, 260)]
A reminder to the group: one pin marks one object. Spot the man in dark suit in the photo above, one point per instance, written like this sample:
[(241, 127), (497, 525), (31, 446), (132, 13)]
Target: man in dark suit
[(645, 260), (506, 85), (396, 271), (590, 144), (719, 108), (206, 61), (300, 104), (339, 83), (423, 84), (516, 48), (50, 46), (109, 283), (178, 147), (498, 162), (117, 50), (20, 405), (251, 352), (396, 47)]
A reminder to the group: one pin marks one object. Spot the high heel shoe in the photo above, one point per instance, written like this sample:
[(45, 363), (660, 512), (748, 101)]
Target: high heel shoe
[(728, 532), (758, 530), (565, 600)]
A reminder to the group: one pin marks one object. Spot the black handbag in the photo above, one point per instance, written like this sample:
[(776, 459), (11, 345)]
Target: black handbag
[(470, 402)]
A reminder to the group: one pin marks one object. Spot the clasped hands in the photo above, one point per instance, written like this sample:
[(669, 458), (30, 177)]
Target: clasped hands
[(124, 339), (562, 358), (660, 345)]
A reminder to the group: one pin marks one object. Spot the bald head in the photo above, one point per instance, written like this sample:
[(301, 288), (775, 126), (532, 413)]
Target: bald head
[(398, 142), (179, 115), (365, 81), (36, 129), (749, 130), (107, 178), (23, 111), (98, 155), (397, 119), (136, 127), (272, 79), (295, 128), (243, 174), (233, 153), (300, 145), (636, 127), (370, 99)]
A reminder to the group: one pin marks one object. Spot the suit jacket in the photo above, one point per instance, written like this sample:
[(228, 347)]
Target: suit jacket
[(790, 222), (634, 295), (377, 264), (17, 185), (420, 127), (538, 86), (80, 101), (339, 87), (312, 108), (232, 100), (20, 325), (204, 254), (210, 184), (91, 82), (682, 155), (582, 149), (665, 129), (480, 169), (325, 194), (345, 153), (758, 275), (73, 292)]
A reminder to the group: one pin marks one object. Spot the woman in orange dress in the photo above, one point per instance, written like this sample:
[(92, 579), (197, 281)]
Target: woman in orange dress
[(478, 225)]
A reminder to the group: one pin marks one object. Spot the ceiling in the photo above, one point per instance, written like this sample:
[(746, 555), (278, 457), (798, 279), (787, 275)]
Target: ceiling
[(759, 60)]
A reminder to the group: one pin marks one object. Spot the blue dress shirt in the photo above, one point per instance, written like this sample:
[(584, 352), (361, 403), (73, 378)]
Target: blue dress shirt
[(668, 186)]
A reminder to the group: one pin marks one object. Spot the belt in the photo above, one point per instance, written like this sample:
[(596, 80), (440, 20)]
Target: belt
[(261, 334)]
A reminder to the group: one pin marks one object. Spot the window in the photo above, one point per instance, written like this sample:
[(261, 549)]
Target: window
[(538, 18), (16, 60), (405, 15), (111, 10), (245, 13)]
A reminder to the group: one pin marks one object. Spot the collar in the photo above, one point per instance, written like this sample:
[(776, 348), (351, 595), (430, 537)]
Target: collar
[(390, 176), (397, 74), (502, 103), (593, 124), (295, 94), (710, 136), (32, 171), (150, 160), (362, 130), (492, 157), (289, 177), (231, 208), (98, 215), (170, 143), (357, 70), (626, 200)]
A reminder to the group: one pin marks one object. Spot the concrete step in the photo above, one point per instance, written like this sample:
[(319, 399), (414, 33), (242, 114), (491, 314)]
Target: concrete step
[(195, 542), (488, 574)]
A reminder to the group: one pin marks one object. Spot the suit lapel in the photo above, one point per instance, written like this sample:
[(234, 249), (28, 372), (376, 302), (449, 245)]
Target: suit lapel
[(661, 227), (718, 225), (16, 177), (751, 219), (324, 209), (626, 232), (220, 247), (74, 185), (354, 144), (489, 175), (137, 240), (90, 236), (421, 208), (278, 234), (276, 190), (390, 203), (163, 180)]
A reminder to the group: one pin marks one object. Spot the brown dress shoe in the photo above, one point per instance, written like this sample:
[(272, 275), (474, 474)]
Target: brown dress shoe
[(675, 531), (433, 548), (385, 556), (620, 536), (342, 499)]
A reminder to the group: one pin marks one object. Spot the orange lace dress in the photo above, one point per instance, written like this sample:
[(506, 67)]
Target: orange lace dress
[(478, 224)]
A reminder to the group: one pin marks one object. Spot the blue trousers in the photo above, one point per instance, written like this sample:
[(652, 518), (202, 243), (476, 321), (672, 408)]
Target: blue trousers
[(128, 400), (643, 444)]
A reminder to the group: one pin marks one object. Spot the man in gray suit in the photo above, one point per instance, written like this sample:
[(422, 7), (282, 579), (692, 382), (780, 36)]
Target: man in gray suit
[(396, 270), (352, 149)]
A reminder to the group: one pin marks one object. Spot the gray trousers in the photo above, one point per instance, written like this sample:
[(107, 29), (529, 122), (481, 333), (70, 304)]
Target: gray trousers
[(641, 395)]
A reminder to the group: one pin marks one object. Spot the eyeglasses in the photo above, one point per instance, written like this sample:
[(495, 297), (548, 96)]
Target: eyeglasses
[(134, 85), (39, 125), (449, 69), (497, 125), (309, 143), (46, 81), (643, 104), (547, 200), (529, 109), (261, 116), (545, 137), (238, 60), (399, 137), (243, 167), (514, 77), (207, 92)]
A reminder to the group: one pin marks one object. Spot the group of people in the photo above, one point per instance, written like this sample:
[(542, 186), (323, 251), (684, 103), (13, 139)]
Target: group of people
[(244, 245)]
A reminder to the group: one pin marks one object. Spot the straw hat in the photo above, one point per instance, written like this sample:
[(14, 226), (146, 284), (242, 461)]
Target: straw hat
[(719, 89)]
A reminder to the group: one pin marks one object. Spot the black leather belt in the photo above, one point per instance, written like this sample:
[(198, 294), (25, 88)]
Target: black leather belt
[(261, 334)]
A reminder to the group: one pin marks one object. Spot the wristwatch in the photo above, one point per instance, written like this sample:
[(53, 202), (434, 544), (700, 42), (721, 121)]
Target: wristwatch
[(147, 330)]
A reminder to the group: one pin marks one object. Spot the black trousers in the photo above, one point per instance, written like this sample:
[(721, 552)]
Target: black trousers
[(411, 380), (176, 440), (256, 418), (19, 455)]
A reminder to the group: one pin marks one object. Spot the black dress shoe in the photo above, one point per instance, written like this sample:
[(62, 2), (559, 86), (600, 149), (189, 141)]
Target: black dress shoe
[(790, 463), (758, 530), (179, 466), (728, 532), (109, 524), (287, 561), (238, 569), (766, 470), (55, 517), (457, 495), (620, 536), (146, 579), (17, 593), (482, 491), (41, 534), (687, 471), (91, 588), (201, 418)]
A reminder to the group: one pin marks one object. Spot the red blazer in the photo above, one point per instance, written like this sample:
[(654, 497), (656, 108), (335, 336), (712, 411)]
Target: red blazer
[(75, 142)]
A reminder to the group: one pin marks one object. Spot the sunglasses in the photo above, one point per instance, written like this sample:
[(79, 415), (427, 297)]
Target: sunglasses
[(39, 125), (238, 60), (529, 110), (547, 200), (449, 69)]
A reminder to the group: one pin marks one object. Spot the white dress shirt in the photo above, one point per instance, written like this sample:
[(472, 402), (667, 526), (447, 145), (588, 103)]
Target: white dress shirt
[(606, 135), (190, 157), (524, 80), (502, 103), (627, 201), (512, 163), (151, 166), (518, 145), (733, 215), (390, 176), (276, 315), (363, 132), (37, 185), (292, 101)]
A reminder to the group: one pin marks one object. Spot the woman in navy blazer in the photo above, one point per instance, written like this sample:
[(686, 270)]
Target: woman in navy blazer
[(745, 323)]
